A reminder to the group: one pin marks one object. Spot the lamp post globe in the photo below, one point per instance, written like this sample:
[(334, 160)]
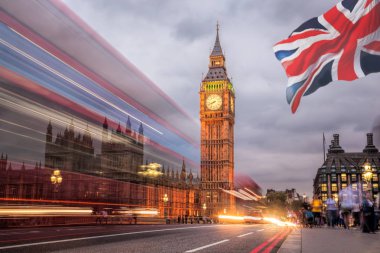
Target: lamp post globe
[(165, 199), (56, 180)]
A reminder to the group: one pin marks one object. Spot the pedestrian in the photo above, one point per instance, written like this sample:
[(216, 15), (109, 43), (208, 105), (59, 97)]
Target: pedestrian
[(368, 214), (377, 211), (346, 205), (179, 219), (356, 211), (309, 218), (331, 211), (105, 216), (317, 210), (98, 217)]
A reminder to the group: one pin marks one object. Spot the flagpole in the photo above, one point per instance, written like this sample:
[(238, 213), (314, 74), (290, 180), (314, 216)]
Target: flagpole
[(324, 146)]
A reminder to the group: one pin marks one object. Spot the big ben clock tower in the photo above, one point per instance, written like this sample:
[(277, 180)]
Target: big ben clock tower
[(217, 116)]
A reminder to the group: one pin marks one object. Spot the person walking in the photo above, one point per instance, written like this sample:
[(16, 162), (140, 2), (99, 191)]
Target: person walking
[(368, 214), (356, 210), (317, 210), (331, 211), (105, 217), (346, 204)]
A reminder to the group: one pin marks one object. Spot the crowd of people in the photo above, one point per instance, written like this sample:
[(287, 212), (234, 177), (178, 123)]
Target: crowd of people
[(347, 212)]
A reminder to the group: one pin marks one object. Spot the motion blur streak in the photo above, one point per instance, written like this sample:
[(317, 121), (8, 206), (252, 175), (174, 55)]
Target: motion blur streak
[(43, 210), (74, 83), (279, 223)]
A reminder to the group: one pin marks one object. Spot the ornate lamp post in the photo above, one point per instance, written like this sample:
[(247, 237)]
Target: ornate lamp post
[(204, 208), (165, 199), (56, 180), (367, 175)]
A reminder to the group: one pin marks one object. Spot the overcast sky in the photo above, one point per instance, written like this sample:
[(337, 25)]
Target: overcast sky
[(170, 42)]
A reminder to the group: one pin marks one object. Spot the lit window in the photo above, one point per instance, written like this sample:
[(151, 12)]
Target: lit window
[(324, 197), (334, 187), (324, 187), (344, 177), (364, 186), (353, 177), (354, 187), (375, 187), (375, 178), (344, 186)]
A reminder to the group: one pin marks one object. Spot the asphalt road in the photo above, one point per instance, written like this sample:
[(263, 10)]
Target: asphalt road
[(145, 238)]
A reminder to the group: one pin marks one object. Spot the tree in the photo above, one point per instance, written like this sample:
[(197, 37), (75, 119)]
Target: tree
[(277, 204)]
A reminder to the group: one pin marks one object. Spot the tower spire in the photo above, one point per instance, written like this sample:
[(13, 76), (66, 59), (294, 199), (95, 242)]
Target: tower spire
[(217, 50)]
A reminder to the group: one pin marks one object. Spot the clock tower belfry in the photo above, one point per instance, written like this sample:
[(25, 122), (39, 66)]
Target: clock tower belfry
[(217, 116)]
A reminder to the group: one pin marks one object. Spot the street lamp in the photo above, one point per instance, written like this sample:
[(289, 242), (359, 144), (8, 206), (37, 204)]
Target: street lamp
[(56, 180), (367, 174), (166, 199)]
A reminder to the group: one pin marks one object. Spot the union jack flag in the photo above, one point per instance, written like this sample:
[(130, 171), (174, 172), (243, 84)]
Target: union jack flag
[(342, 44)]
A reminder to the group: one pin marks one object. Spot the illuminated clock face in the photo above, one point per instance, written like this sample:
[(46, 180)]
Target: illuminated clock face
[(232, 104), (214, 102)]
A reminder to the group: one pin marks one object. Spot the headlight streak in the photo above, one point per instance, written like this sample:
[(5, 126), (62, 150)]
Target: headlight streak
[(55, 116), (42, 211), (253, 218), (24, 127)]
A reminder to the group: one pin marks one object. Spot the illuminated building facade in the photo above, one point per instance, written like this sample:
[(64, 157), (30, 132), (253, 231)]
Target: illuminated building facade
[(217, 116), (20, 183), (345, 169)]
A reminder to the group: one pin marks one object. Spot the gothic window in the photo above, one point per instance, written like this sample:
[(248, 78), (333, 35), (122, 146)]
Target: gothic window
[(344, 177), (2, 191), (333, 177), (334, 187), (353, 177), (13, 191)]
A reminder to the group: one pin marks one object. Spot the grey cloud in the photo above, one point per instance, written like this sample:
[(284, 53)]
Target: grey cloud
[(192, 29)]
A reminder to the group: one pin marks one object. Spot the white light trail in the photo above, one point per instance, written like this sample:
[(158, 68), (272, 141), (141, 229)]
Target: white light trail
[(41, 64)]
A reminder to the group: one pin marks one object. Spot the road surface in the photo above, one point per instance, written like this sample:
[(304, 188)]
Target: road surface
[(146, 238)]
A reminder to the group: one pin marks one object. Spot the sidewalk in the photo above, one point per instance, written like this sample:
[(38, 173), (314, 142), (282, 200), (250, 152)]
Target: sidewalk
[(326, 240)]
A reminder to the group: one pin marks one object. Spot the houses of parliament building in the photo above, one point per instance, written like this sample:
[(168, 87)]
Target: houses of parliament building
[(108, 179)]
